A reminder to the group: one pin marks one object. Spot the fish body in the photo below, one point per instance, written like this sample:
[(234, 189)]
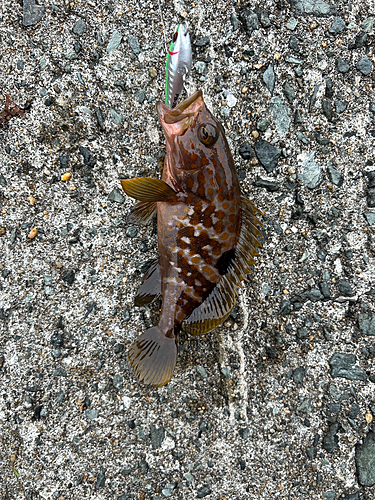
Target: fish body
[(178, 64), (207, 236)]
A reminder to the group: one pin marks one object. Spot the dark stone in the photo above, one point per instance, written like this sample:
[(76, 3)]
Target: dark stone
[(57, 340), (285, 308), (270, 186), (289, 92), (311, 452), (314, 295), (337, 26), (140, 96), (360, 41), (80, 27), (234, 21), (69, 277), (335, 176), (327, 109), (371, 198), (60, 372), (249, 21), (144, 466), (329, 88), (49, 101), (203, 492), (343, 366), (293, 43), (314, 96), (370, 178), (350, 496), (100, 119), (32, 13), (340, 106), (77, 47), (267, 154), (87, 160), (134, 44), (131, 232), (365, 460), (302, 333), (299, 374), (330, 440), (264, 19), (3, 181), (364, 65), (297, 117), (203, 42), (333, 408), (323, 285), (116, 196), (366, 323), (317, 8), (37, 411), (342, 66), (64, 161), (270, 351), (157, 436), (269, 78), (354, 411), (345, 287), (100, 480), (244, 432), (246, 151)]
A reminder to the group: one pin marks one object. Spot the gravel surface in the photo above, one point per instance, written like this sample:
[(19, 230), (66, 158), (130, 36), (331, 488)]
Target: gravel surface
[(277, 403)]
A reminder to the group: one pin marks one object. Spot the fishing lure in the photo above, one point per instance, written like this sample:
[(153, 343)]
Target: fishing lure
[(207, 236), (178, 64)]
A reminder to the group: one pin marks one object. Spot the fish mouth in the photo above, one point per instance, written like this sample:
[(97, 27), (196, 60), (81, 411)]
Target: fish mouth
[(177, 120)]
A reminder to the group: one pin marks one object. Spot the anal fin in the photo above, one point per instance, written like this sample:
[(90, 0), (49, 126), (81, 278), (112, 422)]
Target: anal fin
[(214, 310)]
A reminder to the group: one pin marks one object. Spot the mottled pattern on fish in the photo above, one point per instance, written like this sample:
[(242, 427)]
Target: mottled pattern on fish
[(207, 236)]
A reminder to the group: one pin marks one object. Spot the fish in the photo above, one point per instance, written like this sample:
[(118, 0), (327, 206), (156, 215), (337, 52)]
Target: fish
[(178, 64), (208, 236)]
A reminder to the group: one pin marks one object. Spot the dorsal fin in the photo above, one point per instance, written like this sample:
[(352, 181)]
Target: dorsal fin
[(219, 304)]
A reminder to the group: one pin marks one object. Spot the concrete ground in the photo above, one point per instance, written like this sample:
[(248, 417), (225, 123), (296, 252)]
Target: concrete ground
[(277, 403)]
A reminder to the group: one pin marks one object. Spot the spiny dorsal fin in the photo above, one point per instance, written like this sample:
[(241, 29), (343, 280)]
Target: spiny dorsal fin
[(151, 285), (148, 189)]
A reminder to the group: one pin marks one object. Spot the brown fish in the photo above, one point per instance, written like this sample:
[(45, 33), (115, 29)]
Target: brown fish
[(207, 236)]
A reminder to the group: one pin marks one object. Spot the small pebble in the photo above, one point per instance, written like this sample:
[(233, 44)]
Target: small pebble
[(66, 177), (33, 233), (31, 200)]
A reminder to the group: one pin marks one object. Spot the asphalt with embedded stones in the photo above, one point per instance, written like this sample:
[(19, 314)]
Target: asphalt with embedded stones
[(277, 403)]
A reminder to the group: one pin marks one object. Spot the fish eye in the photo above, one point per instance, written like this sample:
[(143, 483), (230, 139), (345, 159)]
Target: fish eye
[(208, 134), (174, 38)]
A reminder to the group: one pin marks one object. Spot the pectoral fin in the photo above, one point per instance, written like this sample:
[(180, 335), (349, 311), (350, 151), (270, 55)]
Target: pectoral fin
[(148, 189), (151, 285), (143, 212)]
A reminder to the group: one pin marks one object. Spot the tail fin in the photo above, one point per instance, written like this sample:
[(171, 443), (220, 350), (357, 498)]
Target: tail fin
[(152, 357)]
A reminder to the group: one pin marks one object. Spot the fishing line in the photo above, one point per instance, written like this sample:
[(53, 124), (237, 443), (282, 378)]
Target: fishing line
[(162, 21)]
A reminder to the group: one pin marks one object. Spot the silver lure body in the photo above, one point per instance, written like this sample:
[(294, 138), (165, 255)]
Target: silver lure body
[(178, 64)]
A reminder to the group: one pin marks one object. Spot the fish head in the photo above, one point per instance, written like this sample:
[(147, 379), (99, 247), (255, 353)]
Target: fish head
[(196, 143)]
